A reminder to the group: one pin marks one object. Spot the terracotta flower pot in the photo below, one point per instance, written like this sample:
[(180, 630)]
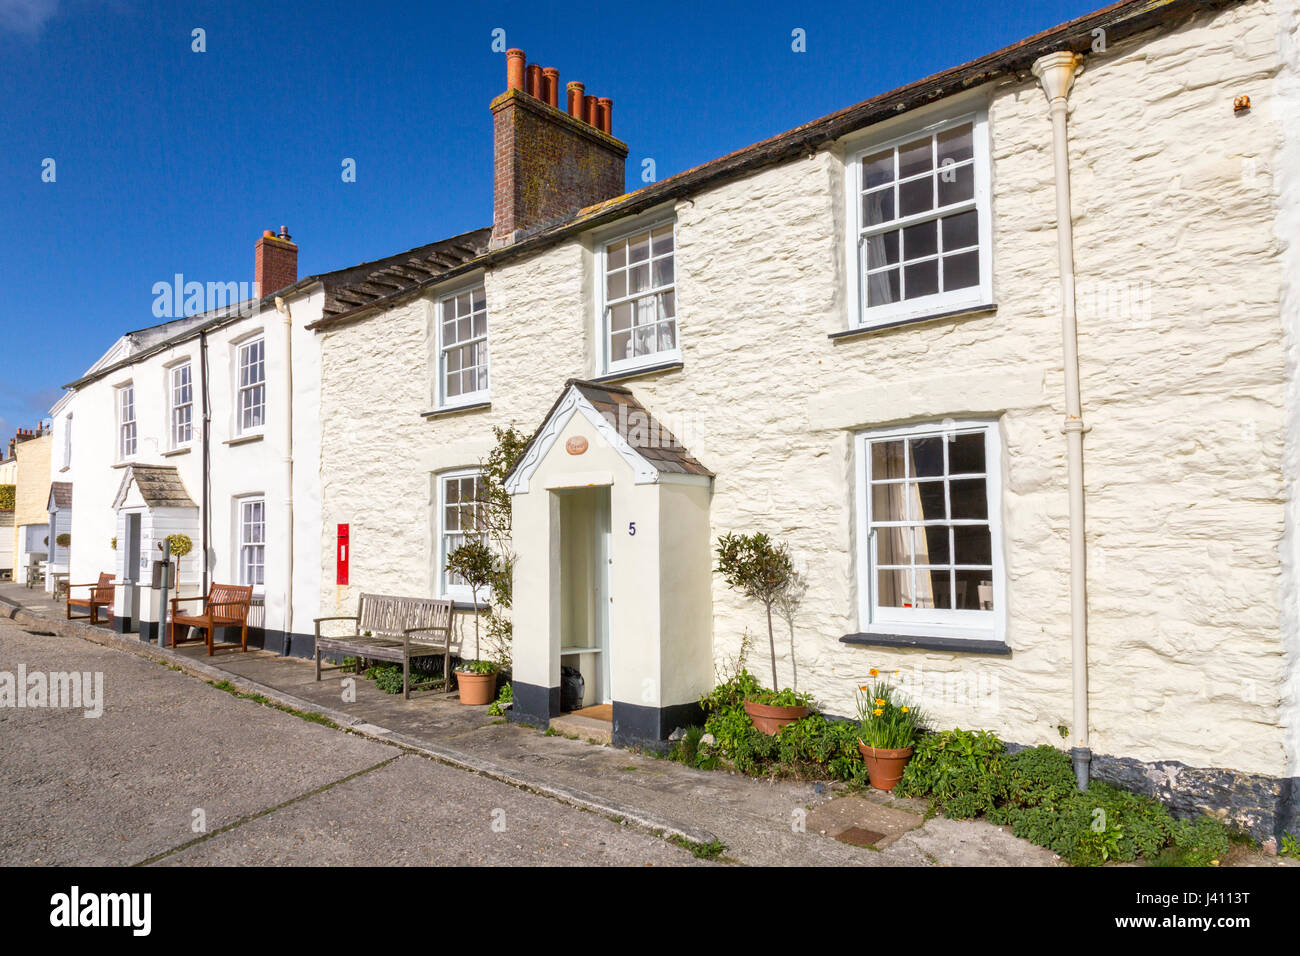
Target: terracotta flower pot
[(884, 766), (770, 719), (476, 689)]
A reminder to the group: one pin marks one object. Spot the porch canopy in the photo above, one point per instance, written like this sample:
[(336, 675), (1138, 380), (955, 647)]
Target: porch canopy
[(610, 526), (151, 503)]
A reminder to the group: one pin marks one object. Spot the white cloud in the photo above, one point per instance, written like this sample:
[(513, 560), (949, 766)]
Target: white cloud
[(27, 16)]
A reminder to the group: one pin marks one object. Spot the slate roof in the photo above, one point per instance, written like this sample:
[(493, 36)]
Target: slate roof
[(358, 286), (160, 486), (1117, 21), (61, 495), (634, 424)]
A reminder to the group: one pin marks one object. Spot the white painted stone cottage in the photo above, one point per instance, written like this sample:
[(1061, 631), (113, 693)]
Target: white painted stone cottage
[(1007, 356), (195, 427)]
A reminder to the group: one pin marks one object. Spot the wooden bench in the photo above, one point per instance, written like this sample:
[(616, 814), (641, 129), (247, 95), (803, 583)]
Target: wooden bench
[(101, 596), (396, 629), (225, 606)]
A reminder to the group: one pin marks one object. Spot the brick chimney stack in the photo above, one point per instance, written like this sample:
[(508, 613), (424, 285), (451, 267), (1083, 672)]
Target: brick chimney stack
[(549, 163), (275, 263)]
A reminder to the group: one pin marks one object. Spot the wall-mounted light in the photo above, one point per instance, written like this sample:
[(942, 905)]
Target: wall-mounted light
[(1240, 104)]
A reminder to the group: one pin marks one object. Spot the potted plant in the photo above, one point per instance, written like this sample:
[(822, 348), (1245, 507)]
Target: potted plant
[(763, 570), (887, 733), (178, 546), (474, 563)]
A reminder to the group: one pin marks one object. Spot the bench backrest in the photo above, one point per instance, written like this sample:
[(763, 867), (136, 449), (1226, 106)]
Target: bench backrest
[(228, 603), (104, 590), (389, 616)]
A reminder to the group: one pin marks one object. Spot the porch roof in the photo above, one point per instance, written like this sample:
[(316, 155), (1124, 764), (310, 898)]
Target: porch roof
[(160, 487), (60, 496), (630, 425)]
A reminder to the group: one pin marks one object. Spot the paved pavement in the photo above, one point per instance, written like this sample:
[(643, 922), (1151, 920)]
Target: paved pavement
[(117, 789)]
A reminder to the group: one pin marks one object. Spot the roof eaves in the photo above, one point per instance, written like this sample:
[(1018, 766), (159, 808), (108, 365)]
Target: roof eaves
[(1120, 20), (216, 322)]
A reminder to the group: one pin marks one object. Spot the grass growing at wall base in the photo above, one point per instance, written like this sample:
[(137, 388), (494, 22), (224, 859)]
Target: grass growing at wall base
[(310, 716)]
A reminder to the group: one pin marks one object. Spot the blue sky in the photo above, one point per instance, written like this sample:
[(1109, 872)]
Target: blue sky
[(169, 161)]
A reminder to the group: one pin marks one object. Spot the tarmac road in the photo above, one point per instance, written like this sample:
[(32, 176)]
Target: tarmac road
[(177, 772)]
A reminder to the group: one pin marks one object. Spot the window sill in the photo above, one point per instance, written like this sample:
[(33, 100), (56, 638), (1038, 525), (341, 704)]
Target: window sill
[(626, 373), (126, 464), (65, 468), (959, 645), (175, 452), (988, 309), (455, 410), (243, 440)]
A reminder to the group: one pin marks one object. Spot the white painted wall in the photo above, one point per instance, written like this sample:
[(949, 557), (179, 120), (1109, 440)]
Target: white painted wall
[(241, 466), (1193, 633)]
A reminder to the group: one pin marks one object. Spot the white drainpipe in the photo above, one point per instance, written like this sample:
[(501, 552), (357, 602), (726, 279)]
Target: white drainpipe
[(1056, 72), (287, 405)]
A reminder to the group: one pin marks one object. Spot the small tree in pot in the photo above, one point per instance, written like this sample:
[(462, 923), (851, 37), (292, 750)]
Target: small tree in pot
[(178, 546), (475, 564), (763, 570)]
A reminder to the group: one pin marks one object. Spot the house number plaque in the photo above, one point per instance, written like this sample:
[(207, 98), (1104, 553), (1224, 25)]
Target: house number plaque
[(576, 445)]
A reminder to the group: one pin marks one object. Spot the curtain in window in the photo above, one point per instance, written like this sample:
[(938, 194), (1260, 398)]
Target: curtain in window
[(878, 289)]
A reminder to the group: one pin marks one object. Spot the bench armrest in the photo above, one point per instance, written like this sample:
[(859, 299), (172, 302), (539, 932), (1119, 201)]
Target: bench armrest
[(341, 617)]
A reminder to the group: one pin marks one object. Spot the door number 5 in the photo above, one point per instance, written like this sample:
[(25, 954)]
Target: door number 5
[(631, 528)]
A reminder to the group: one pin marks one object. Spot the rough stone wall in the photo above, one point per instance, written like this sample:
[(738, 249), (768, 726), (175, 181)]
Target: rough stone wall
[(1182, 382)]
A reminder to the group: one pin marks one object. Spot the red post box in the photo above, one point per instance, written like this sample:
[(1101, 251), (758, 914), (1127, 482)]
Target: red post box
[(341, 555)]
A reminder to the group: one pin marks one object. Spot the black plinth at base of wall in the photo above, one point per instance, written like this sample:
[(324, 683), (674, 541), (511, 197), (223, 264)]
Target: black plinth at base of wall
[(636, 725), (533, 704)]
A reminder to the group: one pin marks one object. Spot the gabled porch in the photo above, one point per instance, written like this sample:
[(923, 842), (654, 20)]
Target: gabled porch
[(612, 589)]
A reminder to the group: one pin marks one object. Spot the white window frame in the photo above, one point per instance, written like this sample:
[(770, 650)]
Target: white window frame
[(456, 592), (67, 441), (980, 294), (123, 423), (931, 622), (240, 388), (241, 542), (441, 399), (667, 356), (173, 407)]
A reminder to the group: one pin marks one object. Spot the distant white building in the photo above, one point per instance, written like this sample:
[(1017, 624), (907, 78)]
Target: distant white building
[(193, 428)]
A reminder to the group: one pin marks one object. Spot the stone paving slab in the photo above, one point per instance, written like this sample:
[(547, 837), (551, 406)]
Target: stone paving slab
[(833, 818)]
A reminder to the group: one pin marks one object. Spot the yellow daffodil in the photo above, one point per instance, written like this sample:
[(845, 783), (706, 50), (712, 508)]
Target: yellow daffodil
[(878, 711), (880, 702), (873, 672), (904, 709)]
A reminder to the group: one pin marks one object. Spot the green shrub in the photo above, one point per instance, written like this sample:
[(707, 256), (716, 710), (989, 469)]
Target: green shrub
[(8, 495), (813, 747), (1035, 776), (387, 677), (959, 770), (1199, 842), (507, 696)]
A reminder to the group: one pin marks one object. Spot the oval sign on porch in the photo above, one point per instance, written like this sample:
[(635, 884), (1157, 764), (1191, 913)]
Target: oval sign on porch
[(576, 445)]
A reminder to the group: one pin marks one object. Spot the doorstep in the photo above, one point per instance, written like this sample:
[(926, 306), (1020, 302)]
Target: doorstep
[(591, 729)]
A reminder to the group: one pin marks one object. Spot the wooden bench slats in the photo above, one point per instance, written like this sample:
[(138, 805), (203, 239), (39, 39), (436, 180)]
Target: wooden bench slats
[(226, 605), (391, 622), (101, 596)]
